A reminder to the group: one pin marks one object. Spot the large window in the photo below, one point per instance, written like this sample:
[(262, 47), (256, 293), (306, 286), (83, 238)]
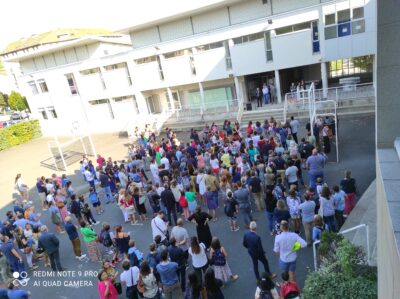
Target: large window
[(174, 54), (268, 46), (146, 60), (153, 104), (211, 46), (248, 38), (33, 87), (43, 113), (115, 66), (72, 84), (293, 28), (94, 71), (43, 86), (52, 112), (344, 22), (351, 66)]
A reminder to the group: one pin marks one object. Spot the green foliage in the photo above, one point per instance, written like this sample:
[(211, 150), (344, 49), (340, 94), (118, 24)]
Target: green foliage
[(2, 69), (343, 273), (3, 102), (17, 101), (19, 133)]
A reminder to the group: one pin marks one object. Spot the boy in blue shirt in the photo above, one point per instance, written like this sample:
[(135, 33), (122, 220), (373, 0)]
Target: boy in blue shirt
[(94, 200)]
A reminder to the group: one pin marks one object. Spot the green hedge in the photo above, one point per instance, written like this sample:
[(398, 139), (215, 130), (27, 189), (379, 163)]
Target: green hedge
[(19, 133)]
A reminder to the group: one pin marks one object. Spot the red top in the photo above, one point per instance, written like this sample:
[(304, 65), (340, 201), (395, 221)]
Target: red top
[(288, 287)]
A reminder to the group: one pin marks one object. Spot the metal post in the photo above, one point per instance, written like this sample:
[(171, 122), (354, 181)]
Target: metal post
[(54, 159), (315, 254), (368, 249), (337, 135), (61, 153)]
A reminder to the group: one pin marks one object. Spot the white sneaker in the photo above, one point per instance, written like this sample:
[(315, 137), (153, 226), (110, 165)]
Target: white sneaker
[(83, 256)]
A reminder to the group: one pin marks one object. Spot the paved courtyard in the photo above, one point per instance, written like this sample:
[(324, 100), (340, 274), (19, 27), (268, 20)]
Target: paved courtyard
[(357, 152)]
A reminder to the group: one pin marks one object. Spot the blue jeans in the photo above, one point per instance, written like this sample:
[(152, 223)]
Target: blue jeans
[(330, 221), (246, 214), (313, 179), (291, 266), (107, 195), (271, 221), (266, 98), (91, 184), (16, 266), (215, 197)]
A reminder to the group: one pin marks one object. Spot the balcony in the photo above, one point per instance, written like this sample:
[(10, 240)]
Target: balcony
[(210, 65), (177, 70)]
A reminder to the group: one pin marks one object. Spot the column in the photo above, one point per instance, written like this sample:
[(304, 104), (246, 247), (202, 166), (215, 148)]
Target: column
[(324, 78), (202, 103), (278, 86), (171, 99), (238, 89), (141, 101)]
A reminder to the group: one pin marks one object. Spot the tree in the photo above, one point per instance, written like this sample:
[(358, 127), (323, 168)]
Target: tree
[(17, 101), (2, 69), (3, 101)]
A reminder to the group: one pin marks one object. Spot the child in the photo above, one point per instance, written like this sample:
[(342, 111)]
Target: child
[(184, 205), (231, 210), (289, 287), (94, 200), (134, 254), (87, 213), (339, 204), (191, 199)]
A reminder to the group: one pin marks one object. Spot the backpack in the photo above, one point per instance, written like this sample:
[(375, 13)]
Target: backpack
[(228, 208), (135, 258), (266, 295), (218, 258), (105, 239)]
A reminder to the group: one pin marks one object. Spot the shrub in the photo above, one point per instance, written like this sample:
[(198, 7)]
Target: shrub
[(344, 272), (19, 133)]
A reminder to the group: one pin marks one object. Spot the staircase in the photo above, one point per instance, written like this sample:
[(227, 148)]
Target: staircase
[(364, 105)]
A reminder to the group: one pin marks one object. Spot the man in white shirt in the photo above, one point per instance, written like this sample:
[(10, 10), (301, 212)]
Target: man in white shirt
[(130, 278), (164, 160), (181, 236), (291, 174), (286, 245), (154, 171), (89, 177), (294, 126), (159, 227), (50, 196)]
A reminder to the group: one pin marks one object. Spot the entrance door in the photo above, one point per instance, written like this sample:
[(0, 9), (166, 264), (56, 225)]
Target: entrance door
[(176, 100), (153, 104)]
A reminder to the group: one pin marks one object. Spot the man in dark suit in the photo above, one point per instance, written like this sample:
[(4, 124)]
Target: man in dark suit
[(252, 242), (50, 243)]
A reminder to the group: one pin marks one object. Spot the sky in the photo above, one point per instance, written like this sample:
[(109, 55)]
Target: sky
[(23, 18)]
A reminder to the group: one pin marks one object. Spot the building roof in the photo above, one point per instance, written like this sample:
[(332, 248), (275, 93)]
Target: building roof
[(56, 36), (177, 16)]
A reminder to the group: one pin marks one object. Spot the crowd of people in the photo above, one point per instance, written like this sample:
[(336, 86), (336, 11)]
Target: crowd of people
[(165, 183)]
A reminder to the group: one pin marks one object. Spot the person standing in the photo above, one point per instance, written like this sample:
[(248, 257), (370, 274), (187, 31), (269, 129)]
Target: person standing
[(89, 176), (177, 255), (50, 243), (42, 191), (242, 196), (14, 259), (105, 186), (218, 256), (169, 277), (182, 237), (327, 208), (348, 185), (315, 165), (202, 228), (211, 182), (90, 238), (159, 227), (259, 97), (74, 238), (265, 91), (256, 191), (286, 245), (167, 196), (339, 198), (213, 285), (307, 209), (105, 287), (129, 277), (252, 242), (21, 187), (198, 253), (294, 126)]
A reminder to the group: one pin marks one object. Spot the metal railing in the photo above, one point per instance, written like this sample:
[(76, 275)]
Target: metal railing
[(342, 233), (337, 94), (224, 108)]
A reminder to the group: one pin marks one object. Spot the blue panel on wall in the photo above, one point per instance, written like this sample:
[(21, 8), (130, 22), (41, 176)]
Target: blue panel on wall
[(344, 29), (316, 47)]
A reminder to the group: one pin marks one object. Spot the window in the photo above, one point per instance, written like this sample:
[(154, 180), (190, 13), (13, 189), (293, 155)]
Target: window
[(43, 86), (293, 28), (358, 26), (351, 66), (115, 66), (248, 38), (228, 58), (124, 98), (343, 16), (358, 13), (192, 64), (72, 84), (98, 102), (33, 87), (330, 19), (174, 54), (331, 32), (90, 71), (43, 113), (160, 69), (145, 60), (315, 37), (211, 46), (52, 112), (268, 46)]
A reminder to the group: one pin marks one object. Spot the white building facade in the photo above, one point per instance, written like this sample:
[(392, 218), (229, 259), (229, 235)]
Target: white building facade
[(205, 58)]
